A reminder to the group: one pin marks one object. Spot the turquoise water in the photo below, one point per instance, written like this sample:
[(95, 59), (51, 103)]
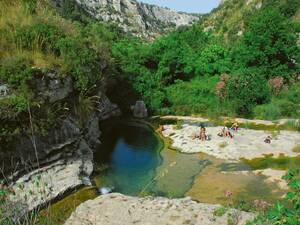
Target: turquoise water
[(135, 163), (133, 160), (131, 153)]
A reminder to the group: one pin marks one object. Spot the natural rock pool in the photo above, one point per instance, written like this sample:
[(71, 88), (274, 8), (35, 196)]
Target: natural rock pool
[(128, 158), (133, 160), (136, 161)]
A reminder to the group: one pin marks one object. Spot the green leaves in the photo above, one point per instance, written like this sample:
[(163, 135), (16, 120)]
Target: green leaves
[(213, 60), (269, 44), (280, 214), (246, 90)]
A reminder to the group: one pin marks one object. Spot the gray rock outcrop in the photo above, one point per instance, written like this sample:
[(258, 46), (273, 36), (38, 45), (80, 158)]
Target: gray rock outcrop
[(52, 87), (43, 166), (140, 19), (4, 90), (117, 209), (140, 110)]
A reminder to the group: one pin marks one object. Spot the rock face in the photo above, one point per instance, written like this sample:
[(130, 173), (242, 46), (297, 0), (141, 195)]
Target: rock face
[(43, 166), (4, 91), (138, 18), (140, 110), (45, 184), (117, 209), (58, 143), (106, 108), (51, 87)]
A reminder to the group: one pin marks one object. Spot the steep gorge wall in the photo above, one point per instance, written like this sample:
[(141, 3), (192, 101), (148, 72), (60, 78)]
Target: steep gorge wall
[(140, 19)]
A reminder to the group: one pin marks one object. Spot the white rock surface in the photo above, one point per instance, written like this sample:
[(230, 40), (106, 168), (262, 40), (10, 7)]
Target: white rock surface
[(246, 143), (45, 184), (117, 209)]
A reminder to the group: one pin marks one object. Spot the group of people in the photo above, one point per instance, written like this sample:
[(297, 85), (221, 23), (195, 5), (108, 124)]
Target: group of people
[(225, 132)]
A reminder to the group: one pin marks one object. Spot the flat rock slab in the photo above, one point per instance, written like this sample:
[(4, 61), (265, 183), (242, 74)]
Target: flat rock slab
[(247, 143), (117, 209)]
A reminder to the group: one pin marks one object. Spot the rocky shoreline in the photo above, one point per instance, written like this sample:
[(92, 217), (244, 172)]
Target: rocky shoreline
[(247, 143), (118, 209)]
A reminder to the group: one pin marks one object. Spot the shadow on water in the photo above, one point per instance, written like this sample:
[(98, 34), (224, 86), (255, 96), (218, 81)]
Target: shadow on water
[(137, 162), (132, 153)]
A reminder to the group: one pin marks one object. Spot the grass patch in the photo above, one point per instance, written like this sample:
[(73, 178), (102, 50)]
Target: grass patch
[(60, 211), (297, 148), (292, 125), (280, 163), (220, 211), (178, 125)]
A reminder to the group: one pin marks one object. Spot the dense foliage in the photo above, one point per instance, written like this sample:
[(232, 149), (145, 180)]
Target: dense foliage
[(35, 40), (194, 72)]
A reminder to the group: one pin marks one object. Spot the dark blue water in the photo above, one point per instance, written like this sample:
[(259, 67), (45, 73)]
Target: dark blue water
[(131, 153)]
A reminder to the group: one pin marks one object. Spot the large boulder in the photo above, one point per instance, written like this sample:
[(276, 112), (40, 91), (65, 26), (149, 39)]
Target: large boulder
[(140, 110), (4, 90)]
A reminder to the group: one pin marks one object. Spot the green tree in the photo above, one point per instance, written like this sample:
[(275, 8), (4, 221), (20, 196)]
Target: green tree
[(246, 90), (213, 60), (269, 44)]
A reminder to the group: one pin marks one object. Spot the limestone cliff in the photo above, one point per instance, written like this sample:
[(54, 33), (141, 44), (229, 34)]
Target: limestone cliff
[(139, 19)]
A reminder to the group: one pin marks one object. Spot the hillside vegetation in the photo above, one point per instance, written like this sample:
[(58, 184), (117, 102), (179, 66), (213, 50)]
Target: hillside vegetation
[(191, 71), (35, 40)]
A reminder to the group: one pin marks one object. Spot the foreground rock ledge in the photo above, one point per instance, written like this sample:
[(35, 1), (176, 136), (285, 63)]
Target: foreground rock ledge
[(118, 209)]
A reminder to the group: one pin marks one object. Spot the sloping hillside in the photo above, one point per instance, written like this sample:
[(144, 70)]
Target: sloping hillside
[(232, 16), (140, 19)]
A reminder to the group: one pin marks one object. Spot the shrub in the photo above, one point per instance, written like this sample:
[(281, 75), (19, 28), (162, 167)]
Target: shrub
[(12, 106), (15, 71), (247, 90), (267, 111), (276, 84), (220, 211), (81, 61), (37, 36)]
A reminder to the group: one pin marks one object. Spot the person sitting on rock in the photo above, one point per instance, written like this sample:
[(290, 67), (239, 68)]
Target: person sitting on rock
[(268, 140), (225, 132), (202, 134), (222, 132), (161, 128)]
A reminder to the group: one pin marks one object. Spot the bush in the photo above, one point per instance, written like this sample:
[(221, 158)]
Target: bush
[(81, 61), (267, 111), (15, 71), (247, 90), (193, 97), (37, 36), (13, 106)]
